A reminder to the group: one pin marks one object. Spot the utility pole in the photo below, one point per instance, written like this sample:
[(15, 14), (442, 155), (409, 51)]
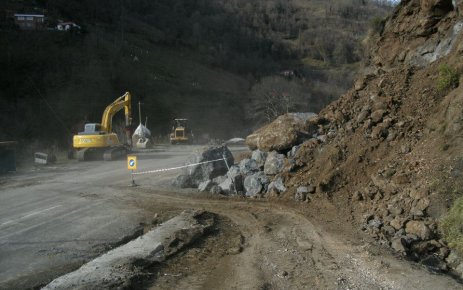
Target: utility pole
[(139, 111)]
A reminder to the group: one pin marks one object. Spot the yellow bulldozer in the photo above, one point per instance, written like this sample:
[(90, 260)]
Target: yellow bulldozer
[(181, 133), (98, 141)]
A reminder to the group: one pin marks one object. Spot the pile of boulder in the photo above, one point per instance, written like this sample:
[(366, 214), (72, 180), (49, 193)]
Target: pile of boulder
[(274, 147), (205, 165)]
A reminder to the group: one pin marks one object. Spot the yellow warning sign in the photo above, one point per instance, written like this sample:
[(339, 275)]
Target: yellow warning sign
[(132, 162)]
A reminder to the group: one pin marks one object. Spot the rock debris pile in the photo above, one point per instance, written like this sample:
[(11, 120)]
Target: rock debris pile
[(260, 175)]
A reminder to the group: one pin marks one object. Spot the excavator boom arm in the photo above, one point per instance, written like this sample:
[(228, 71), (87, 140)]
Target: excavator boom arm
[(123, 101)]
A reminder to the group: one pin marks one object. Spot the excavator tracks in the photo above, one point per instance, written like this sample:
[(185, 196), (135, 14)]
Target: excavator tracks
[(107, 153), (114, 153)]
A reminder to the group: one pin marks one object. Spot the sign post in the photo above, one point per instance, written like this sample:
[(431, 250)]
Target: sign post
[(132, 165)]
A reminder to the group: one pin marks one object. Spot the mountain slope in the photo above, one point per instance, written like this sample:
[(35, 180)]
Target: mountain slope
[(180, 58), (392, 160)]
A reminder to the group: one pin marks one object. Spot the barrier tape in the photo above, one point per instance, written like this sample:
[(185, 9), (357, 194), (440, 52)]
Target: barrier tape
[(179, 167)]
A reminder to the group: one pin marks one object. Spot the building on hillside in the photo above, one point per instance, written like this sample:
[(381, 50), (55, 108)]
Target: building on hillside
[(30, 21), (66, 26), (287, 73)]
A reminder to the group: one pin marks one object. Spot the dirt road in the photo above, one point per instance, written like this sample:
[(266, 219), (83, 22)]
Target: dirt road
[(265, 245), (256, 244)]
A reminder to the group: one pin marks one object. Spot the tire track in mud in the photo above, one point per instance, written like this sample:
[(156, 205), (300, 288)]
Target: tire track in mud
[(283, 249)]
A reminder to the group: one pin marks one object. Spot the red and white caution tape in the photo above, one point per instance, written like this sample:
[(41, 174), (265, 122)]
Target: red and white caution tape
[(179, 167)]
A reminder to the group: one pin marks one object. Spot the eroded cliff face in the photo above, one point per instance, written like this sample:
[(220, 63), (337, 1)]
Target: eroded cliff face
[(417, 33), (393, 153)]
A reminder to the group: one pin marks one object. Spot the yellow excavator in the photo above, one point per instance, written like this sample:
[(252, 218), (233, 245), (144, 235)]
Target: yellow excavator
[(98, 141)]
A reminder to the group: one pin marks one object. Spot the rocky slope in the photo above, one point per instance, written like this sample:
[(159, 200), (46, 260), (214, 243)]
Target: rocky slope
[(388, 152)]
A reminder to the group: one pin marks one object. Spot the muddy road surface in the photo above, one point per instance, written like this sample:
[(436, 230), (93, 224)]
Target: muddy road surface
[(55, 219)]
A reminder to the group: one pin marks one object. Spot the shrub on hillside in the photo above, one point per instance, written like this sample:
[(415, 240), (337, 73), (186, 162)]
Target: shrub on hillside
[(448, 78), (451, 226)]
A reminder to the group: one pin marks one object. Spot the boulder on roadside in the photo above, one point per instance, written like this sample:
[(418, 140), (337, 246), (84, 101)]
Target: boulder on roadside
[(274, 163), (302, 193), (227, 186), (234, 171), (206, 186), (259, 157), (418, 228), (277, 186), (248, 166), (255, 183), (232, 185), (285, 132), (219, 179), (182, 181), (193, 175)]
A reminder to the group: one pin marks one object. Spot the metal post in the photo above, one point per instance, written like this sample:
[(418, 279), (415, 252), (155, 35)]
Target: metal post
[(133, 180), (139, 111)]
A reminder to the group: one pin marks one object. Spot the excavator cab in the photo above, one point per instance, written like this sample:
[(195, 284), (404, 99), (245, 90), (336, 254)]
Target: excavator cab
[(92, 128)]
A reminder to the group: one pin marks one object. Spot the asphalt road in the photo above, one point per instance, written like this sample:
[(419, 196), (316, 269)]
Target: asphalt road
[(55, 218)]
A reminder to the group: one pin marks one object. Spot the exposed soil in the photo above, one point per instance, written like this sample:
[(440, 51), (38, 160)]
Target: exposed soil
[(259, 244), (387, 154)]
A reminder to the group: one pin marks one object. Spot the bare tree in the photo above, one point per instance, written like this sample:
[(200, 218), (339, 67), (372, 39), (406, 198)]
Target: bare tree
[(274, 96)]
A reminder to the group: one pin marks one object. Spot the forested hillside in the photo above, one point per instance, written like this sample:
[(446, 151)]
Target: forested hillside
[(227, 65)]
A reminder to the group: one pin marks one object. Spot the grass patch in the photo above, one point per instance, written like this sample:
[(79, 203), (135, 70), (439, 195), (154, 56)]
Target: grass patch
[(448, 78), (451, 226)]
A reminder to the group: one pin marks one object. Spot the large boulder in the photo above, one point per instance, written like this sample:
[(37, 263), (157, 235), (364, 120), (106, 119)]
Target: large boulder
[(248, 166), (193, 175), (206, 186), (419, 229), (235, 175), (259, 157), (227, 186), (285, 132), (274, 163), (182, 181), (276, 186), (232, 185), (256, 183), (234, 171), (219, 179)]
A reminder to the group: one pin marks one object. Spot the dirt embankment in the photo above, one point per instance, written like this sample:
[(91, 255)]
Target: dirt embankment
[(393, 152)]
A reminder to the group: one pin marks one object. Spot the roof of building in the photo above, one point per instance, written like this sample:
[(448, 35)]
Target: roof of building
[(29, 15)]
